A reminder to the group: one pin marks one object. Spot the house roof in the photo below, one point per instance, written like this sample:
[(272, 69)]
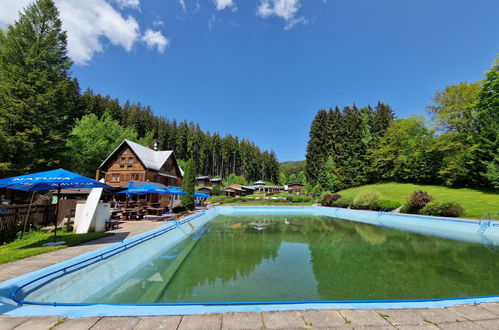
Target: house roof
[(202, 177), (151, 159), (259, 182), (216, 179), (235, 187)]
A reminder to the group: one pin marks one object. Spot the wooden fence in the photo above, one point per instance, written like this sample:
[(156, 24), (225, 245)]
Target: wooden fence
[(12, 218)]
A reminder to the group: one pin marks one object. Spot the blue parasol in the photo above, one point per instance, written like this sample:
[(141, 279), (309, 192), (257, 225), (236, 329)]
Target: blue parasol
[(51, 180), (144, 189), (175, 191), (198, 194)]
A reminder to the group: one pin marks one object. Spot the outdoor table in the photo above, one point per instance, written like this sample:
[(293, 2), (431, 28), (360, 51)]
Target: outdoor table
[(155, 210)]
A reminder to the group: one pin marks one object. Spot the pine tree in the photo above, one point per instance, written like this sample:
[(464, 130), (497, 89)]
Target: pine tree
[(318, 146), (382, 116), (189, 185), (327, 180), (37, 95)]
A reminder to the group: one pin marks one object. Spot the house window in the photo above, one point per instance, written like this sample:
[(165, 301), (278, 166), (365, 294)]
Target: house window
[(115, 177), (130, 160), (122, 160), (135, 176)]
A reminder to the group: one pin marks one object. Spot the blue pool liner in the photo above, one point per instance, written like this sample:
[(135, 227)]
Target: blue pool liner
[(14, 291)]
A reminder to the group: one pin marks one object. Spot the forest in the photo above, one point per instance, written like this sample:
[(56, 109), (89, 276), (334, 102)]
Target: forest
[(458, 147), (46, 122)]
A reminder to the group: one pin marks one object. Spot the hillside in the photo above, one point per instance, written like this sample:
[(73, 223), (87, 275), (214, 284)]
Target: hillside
[(475, 202), (292, 167)]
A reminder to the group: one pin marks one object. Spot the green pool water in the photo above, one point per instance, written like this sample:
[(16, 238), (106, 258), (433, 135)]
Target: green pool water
[(298, 258)]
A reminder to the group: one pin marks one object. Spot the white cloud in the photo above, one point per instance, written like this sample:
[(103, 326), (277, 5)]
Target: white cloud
[(9, 10), (285, 9), (89, 22), (158, 23), (128, 3), (222, 4), (154, 39), (182, 4)]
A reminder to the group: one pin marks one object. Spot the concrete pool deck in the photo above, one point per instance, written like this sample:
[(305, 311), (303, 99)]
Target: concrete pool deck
[(484, 316)]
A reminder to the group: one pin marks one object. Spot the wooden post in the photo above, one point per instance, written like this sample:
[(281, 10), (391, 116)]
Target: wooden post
[(27, 214), (97, 175), (57, 211)]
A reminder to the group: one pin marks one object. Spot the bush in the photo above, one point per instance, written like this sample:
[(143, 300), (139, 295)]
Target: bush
[(342, 202), (179, 209), (217, 190), (418, 199), (367, 200), (217, 199), (300, 199), (327, 199), (386, 204), (444, 209)]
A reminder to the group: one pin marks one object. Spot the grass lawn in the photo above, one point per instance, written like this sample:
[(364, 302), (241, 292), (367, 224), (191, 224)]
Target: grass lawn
[(475, 202), (31, 244)]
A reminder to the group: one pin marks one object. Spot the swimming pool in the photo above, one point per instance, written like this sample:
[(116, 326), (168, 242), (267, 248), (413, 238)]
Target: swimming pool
[(254, 258)]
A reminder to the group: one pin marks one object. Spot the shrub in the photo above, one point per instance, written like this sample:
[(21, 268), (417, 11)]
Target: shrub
[(328, 199), (367, 199), (386, 204), (179, 209), (418, 199), (445, 209), (217, 199), (342, 202), (217, 190), (300, 199)]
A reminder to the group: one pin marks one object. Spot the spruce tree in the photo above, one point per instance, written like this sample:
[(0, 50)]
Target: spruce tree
[(317, 148), (327, 180), (189, 185), (37, 96), (382, 116)]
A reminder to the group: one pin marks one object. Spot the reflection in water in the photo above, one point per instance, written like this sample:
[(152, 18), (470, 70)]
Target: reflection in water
[(295, 257)]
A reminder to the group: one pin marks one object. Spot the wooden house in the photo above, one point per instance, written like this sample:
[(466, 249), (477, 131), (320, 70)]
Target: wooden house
[(236, 190), (215, 181), (132, 162), (296, 188), (203, 181), (205, 190)]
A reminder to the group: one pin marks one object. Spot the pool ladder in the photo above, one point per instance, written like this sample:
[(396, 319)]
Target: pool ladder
[(380, 213), (486, 221)]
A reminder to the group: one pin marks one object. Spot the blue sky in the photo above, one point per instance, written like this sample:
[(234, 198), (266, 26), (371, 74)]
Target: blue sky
[(262, 73)]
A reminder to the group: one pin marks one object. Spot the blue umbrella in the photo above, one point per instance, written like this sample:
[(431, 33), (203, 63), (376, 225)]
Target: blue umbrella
[(144, 189), (130, 186), (198, 194), (51, 180), (175, 191)]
